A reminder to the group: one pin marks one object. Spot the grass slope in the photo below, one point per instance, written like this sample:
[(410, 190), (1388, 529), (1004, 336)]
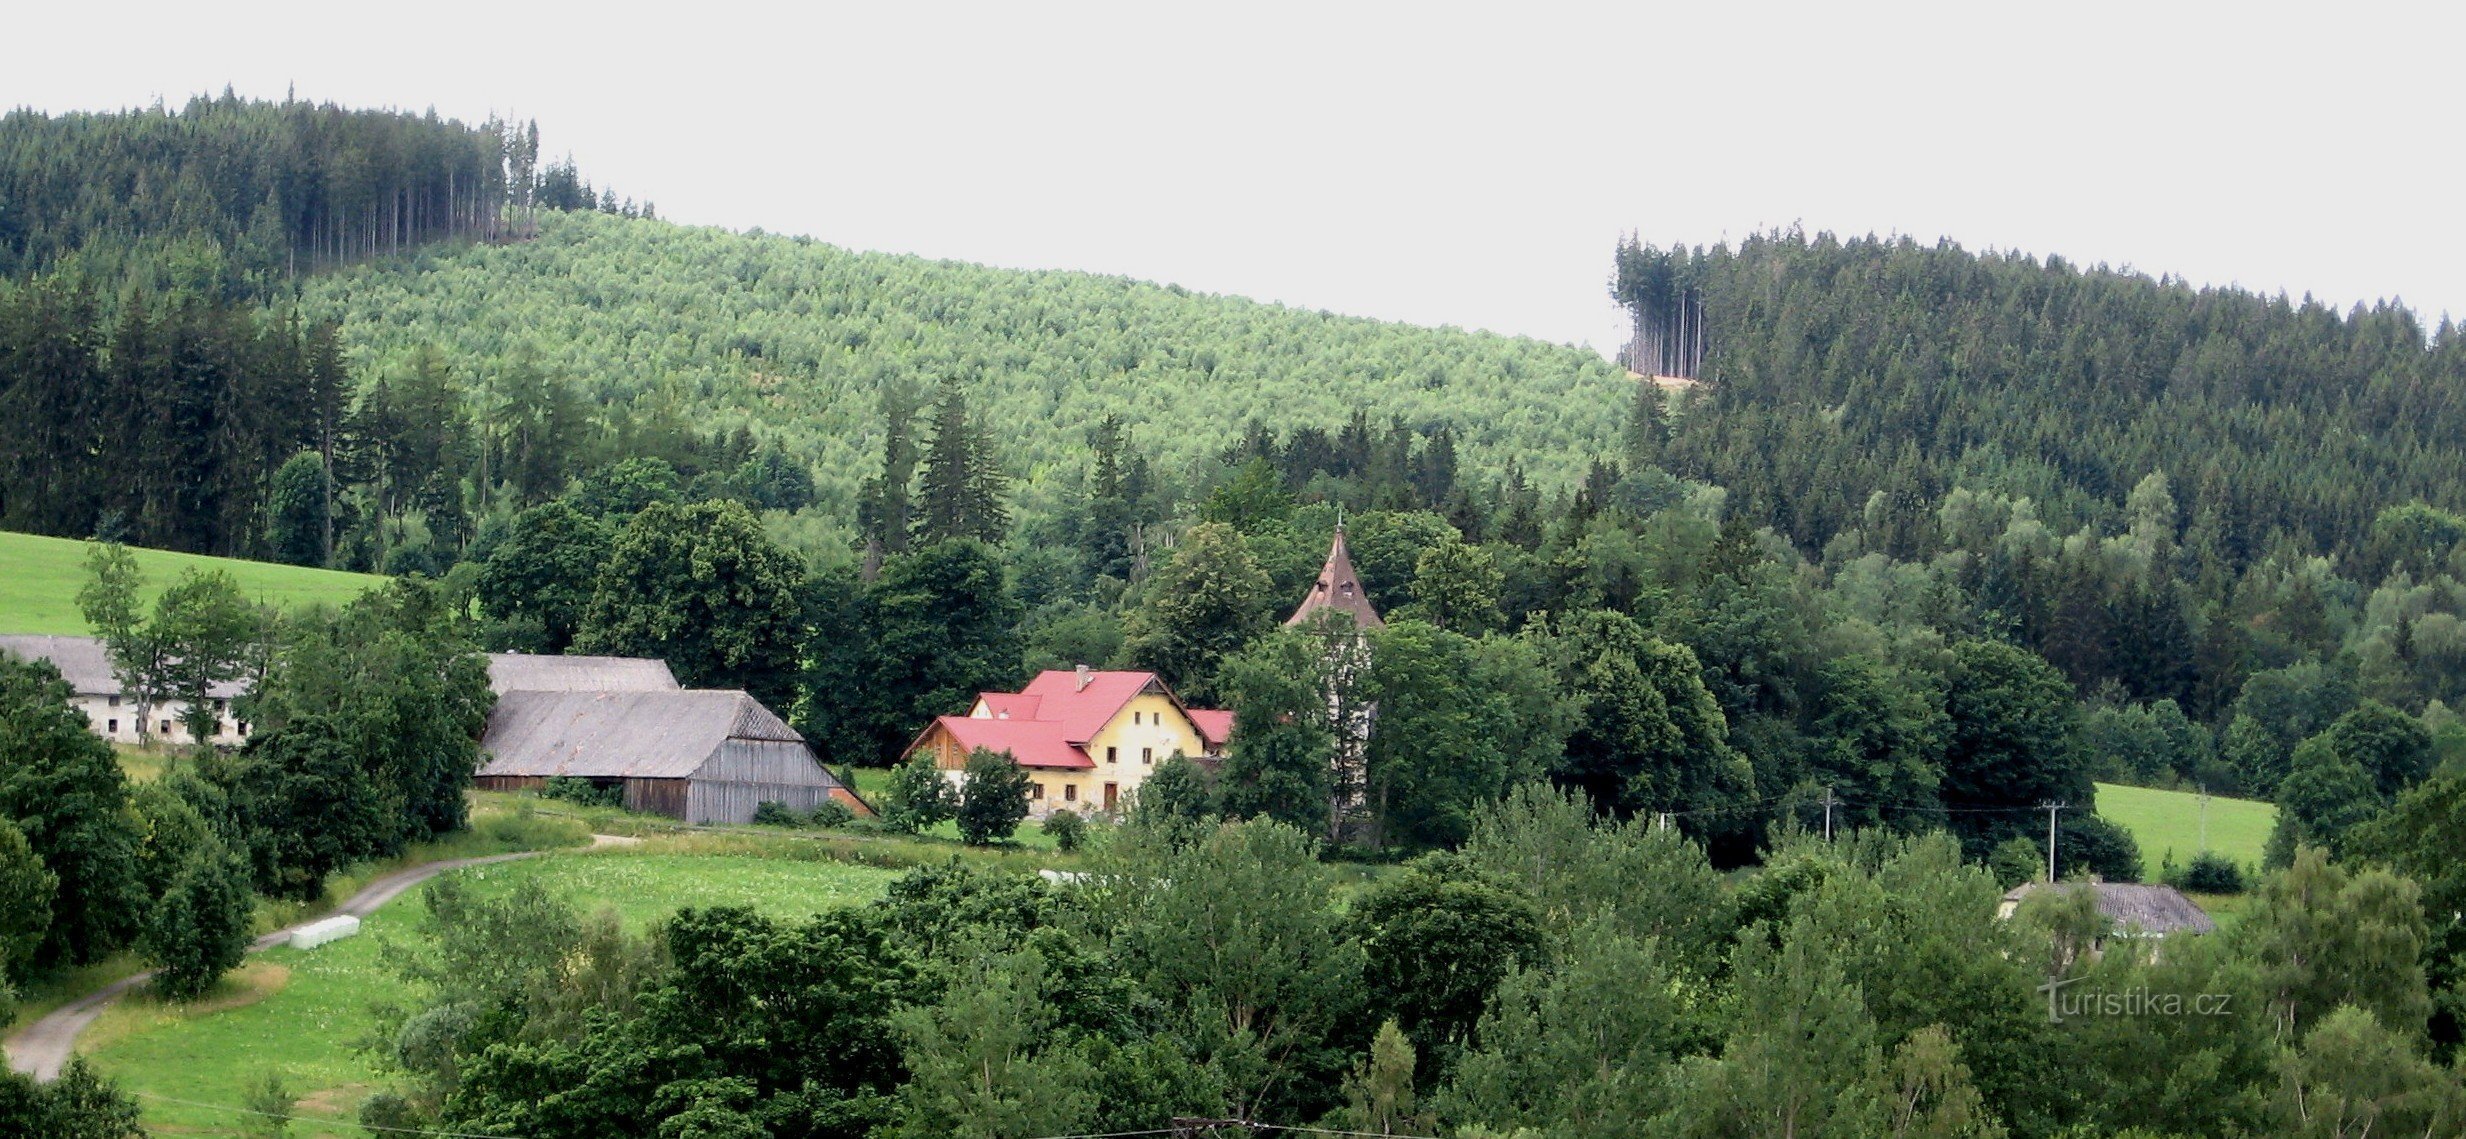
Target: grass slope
[(40, 577), (801, 337), (2163, 821), (301, 1014)]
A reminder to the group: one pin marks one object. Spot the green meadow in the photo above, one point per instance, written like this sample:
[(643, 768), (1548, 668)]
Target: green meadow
[(2170, 821), (39, 579), (304, 1014)]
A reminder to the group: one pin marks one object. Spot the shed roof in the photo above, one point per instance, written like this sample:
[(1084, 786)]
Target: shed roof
[(533, 672), (2131, 905), (637, 735), (1215, 724), (1338, 588), (86, 664)]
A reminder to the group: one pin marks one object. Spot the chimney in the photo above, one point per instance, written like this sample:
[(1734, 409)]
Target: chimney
[(1084, 677)]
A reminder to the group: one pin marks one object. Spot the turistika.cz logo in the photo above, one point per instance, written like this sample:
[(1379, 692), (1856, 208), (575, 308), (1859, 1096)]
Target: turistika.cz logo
[(2062, 1001)]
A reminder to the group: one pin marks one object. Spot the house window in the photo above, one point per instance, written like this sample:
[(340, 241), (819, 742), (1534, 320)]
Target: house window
[(1111, 754), (1070, 792), (115, 701), (166, 728), (1134, 717), (1147, 755), (1036, 790), (115, 726)]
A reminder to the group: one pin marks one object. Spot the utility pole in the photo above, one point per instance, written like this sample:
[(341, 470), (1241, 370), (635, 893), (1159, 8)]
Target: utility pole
[(1661, 820), (2051, 809), (1828, 814)]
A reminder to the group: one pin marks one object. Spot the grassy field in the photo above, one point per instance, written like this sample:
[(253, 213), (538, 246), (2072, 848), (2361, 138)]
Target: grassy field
[(39, 579), (2164, 821), (301, 1014)]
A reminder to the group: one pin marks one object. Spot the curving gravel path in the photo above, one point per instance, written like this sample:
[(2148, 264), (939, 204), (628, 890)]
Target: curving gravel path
[(42, 1048)]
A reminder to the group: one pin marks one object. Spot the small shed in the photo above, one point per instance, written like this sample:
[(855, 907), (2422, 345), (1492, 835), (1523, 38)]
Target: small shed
[(703, 756), (2135, 909)]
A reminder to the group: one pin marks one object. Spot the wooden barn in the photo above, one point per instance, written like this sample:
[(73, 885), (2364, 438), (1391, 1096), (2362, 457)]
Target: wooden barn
[(697, 755)]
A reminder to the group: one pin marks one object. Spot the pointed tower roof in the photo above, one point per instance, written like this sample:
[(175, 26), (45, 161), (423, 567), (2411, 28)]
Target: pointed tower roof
[(1338, 588)]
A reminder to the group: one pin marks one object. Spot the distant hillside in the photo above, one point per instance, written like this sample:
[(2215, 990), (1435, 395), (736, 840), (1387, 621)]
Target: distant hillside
[(1854, 384), (40, 577), (720, 328)]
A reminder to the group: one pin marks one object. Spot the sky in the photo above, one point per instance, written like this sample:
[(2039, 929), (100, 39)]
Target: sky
[(1431, 163)]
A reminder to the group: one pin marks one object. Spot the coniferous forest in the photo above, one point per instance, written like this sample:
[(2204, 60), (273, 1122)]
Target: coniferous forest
[(1712, 720)]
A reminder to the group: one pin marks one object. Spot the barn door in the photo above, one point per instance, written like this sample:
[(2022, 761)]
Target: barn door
[(1113, 796)]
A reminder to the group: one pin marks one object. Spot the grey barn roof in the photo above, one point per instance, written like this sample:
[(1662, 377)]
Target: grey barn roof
[(637, 735), (531, 672), (86, 664), (2150, 909)]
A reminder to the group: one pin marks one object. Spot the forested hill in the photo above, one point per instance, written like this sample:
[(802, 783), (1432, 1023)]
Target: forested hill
[(1854, 384), (227, 198), (801, 338)]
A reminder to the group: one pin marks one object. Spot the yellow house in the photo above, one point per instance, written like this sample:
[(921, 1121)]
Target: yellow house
[(1088, 738)]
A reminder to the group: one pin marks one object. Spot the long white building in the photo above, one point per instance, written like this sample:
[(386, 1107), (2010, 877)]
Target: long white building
[(86, 665)]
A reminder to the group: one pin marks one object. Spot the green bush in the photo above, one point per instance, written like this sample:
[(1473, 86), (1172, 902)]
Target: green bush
[(2207, 873), (831, 813), (1067, 830), (582, 792), (773, 813), (994, 800)]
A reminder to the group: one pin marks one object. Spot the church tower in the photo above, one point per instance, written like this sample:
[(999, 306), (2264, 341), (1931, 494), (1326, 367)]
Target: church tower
[(1338, 588), (1339, 606)]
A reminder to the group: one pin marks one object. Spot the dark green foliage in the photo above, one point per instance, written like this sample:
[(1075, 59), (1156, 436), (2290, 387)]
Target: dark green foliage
[(199, 926), (1067, 830), (703, 588), (79, 1105), (311, 805), (1436, 942), (1648, 736), (583, 792), (2389, 745), (1460, 723), (2208, 873), (1207, 603), (63, 789), (831, 813), (993, 799), (1279, 762), (919, 796), (544, 573), (961, 489), (2010, 746), (298, 510), (396, 674), (937, 627), (1849, 369), (26, 892), (772, 813), (2086, 842), (1179, 792)]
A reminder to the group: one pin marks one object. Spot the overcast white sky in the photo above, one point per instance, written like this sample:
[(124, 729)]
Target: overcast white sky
[(1416, 162)]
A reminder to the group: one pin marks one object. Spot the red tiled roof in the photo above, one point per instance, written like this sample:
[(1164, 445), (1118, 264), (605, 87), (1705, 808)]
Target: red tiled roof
[(1083, 712), (1034, 743), (1214, 724), (1010, 705)]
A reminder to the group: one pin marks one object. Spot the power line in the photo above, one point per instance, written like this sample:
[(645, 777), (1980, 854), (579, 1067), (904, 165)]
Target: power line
[(335, 1122)]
